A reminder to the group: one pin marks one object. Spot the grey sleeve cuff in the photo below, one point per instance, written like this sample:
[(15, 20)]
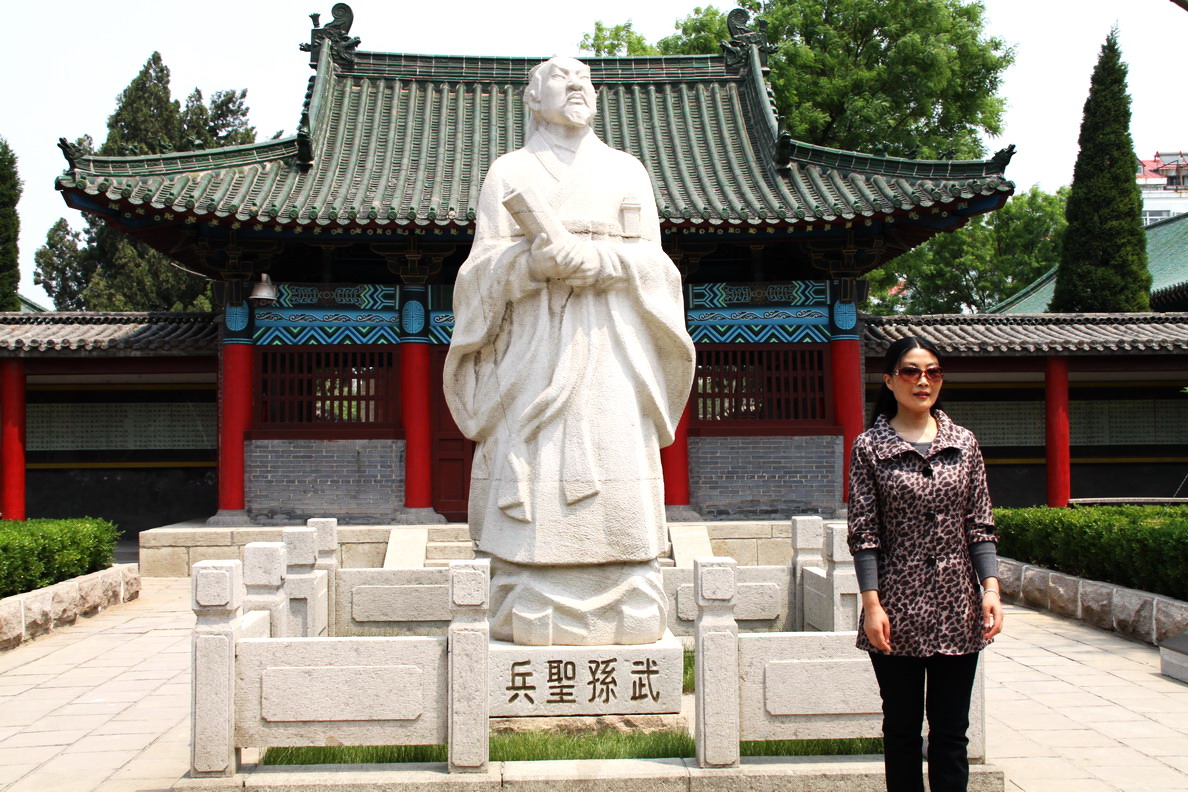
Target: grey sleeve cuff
[(985, 559), (866, 565)]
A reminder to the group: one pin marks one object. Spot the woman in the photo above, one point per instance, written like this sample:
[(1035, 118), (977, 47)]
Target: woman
[(923, 537)]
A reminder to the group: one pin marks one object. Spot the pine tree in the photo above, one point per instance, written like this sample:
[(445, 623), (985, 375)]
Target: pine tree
[(10, 226), (1103, 266), (104, 269)]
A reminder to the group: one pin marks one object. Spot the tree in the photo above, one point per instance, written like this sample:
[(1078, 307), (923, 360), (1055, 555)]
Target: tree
[(1104, 264), (908, 77), (618, 40), (103, 269), (10, 227)]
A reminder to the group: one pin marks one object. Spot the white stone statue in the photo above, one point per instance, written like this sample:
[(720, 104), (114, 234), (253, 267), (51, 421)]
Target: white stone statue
[(569, 366)]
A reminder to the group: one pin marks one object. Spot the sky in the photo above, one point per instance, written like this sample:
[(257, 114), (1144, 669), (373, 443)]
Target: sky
[(61, 79)]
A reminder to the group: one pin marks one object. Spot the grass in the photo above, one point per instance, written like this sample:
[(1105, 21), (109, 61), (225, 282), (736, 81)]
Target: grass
[(538, 746), (688, 680)]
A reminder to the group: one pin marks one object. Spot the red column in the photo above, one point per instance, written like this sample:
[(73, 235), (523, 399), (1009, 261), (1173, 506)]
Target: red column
[(848, 402), (675, 461), (235, 419), (1056, 431), (414, 409), (12, 438)]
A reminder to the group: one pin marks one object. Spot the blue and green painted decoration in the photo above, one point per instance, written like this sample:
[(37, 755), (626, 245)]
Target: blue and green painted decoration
[(717, 313)]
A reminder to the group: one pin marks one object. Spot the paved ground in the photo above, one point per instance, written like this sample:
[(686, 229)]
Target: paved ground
[(103, 706)]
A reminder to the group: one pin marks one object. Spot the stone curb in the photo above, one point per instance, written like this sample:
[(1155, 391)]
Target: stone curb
[(762, 774), (23, 617), (1141, 615)]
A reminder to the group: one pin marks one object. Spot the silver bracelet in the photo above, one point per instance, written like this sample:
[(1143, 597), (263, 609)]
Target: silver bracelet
[(991, 591)]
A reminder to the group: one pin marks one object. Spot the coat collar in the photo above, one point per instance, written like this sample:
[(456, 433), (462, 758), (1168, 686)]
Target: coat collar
[(888, 443)]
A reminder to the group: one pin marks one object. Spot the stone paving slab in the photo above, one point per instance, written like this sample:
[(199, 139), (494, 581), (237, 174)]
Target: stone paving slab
[(102, 706)]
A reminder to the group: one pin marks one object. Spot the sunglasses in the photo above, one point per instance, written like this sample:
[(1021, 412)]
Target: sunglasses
[(912, 373)]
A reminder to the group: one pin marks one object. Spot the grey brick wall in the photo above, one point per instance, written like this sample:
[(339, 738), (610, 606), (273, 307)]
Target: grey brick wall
[(357, 481), (769, 477)]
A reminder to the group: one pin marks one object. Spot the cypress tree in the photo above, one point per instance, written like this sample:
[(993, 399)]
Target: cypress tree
[(1103, 267), (10, 226)]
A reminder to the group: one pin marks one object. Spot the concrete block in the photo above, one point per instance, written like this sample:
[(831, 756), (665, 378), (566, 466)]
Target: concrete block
[(469, 654), (327, 529), (1010, 578), (343, 693), (739, 530), (781, 530), (244, 536), (1097, 603), (96, 591), (816, 686), (689, 541), (588, 775), (716, 645), (336, 718), (412, 777), (12, 622), (1035, 587), (65, 602), (164, 562), (1173, 657), (453, 532), (357, 555), (450, 551), (186, 537), (213, 553), (743, 551), (264, 564), (129, 582), (38, 613), (1134, 614), (370, 534), (1171, 618), (585, 680), (212, 749), (301, 545), (837, 549), (400, 603), (217, 586), (1064, 595), (808, 533), (754, 602), (406, 548), (773, 552)]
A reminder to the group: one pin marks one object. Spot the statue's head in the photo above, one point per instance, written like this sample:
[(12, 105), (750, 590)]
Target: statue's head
[(560, 92)]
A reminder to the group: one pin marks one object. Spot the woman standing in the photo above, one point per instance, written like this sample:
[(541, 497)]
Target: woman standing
[(923, 538)]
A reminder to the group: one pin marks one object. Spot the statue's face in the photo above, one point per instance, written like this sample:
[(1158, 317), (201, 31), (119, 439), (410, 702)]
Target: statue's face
[(565, 95)]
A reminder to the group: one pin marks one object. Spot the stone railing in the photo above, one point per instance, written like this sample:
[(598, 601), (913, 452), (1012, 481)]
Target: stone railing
[(26, 616)]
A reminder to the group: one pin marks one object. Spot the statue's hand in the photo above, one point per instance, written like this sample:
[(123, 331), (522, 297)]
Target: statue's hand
[(574, 261)]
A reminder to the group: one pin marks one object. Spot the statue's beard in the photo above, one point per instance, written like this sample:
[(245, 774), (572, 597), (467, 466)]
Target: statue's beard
[(577, 113)]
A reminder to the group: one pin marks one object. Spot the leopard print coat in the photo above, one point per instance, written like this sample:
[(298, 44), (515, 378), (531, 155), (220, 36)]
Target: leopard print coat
[(922, 513)]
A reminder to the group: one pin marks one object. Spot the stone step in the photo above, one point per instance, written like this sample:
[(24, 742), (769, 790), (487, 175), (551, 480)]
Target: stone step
[(449, 533), (448, 551)]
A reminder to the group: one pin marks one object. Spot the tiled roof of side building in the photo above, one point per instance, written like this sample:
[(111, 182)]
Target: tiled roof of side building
[(1034, 334), (116, 334), (391, 140)]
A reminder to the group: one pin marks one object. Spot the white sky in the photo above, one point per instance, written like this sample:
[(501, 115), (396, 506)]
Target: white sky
[(61, 79)]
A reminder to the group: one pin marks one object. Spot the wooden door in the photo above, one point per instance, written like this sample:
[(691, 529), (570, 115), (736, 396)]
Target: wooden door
[(452, 453)]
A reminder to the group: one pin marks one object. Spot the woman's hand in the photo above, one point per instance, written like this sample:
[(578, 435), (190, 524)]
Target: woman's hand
[(876, 624), (991, 608)]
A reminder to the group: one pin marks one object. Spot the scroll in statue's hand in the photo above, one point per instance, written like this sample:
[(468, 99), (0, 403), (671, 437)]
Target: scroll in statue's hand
[(572, 260)]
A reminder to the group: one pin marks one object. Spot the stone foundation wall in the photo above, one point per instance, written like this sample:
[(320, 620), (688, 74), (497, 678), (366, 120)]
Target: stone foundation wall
[(23, 617), (290, 481), (732, 478)]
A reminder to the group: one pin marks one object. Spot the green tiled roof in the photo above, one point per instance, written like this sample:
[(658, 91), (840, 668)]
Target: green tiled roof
[(403, 140), (1167, 261)]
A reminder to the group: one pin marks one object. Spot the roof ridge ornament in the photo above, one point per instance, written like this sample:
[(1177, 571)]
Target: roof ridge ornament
[(743, 37), (72, 152), (335, 33), (1002, 158)]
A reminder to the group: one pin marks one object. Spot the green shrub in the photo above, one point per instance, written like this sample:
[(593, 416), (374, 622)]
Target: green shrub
[(1141, 547), (38, 553)]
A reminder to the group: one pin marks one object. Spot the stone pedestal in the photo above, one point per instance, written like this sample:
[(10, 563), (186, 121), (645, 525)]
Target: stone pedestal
[(586, 680)]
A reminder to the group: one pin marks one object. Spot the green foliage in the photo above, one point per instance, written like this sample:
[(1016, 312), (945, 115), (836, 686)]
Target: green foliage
[(689, 672), (977, 266), (1141, 547), (1104, 264), (543, 746), (10, 227), (908, 76), (103, 269), (618, 40), (38, 553)]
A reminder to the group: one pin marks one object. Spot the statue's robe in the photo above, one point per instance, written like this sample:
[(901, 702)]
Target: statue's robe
[(569, 391)]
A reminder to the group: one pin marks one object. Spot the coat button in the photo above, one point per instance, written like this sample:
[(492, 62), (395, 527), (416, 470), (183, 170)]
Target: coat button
[(927, 471), (931, 560), (929, 515)]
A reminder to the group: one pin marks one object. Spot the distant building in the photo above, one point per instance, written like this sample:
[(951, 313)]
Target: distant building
[(1164, 185)]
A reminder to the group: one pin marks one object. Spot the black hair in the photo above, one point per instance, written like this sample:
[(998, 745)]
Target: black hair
[(885, 403)]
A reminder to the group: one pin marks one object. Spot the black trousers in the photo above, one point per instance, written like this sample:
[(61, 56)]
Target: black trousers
[(903, 682)]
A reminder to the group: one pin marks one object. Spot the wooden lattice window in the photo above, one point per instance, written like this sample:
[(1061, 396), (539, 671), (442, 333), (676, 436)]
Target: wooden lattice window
[(778, 386), (328, 389)]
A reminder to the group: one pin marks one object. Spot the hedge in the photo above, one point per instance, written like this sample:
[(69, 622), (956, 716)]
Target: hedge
[(1140, 547), (38, 553)]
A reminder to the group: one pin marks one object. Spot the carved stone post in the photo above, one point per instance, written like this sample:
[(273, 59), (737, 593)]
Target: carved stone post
[(469, 641), (843, 580), (305, 586), (264, 576), (716, 668), (327, 528), (808, 538), (217, 596)]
